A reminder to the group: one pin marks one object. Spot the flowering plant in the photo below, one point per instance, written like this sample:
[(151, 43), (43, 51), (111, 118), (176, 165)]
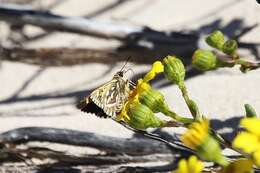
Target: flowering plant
[(139, 112)]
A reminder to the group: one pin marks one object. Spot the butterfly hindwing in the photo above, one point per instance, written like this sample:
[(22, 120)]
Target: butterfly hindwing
[(87, 105)]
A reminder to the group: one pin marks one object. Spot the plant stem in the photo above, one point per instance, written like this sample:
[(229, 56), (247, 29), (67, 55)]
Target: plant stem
[(190, 103), (176, 117)]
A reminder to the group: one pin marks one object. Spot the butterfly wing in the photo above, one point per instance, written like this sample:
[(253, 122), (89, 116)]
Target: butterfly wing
[(87, 105), (111, 96), (107, 100)]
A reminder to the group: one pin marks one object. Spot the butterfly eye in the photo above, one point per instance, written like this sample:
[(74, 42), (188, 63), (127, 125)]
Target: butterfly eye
[(120, 73)]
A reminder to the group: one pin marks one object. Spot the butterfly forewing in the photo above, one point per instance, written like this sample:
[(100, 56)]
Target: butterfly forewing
[(108, 99)]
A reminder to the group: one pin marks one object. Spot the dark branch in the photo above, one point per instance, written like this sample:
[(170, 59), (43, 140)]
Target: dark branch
[(67, 56), (133, 146)]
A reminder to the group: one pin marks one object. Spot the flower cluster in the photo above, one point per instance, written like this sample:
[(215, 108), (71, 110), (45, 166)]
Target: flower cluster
[(208, 60), (144, 101)]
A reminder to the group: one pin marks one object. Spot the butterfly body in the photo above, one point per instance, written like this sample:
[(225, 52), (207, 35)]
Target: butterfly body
[(109, 99)]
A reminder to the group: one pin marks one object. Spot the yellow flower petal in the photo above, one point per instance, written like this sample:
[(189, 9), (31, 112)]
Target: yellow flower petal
[(247, 141), (196, 134), (188, 140), (156, 68), (195, 165), (123, 114), (192, 165), (142, 86), (252, 125), (183, 167)]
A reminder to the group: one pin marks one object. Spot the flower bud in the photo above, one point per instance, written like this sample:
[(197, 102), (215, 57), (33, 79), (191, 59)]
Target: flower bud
[(216, 39), (230, 47), (250, 111), (141, 117), (204, 60), (174, 69), (154, 100)]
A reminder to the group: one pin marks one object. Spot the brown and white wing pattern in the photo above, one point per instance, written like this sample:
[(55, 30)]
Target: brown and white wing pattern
[(107, 100)]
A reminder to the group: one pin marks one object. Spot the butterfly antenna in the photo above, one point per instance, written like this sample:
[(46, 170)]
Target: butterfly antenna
[(131, 83), (127, 60), (130, 70)]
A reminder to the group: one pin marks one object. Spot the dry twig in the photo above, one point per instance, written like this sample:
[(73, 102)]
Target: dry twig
[(132, 146)]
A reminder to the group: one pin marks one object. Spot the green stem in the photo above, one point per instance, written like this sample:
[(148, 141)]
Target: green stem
[(224, 142), (223, 161), (178, 118), (194, 110), (223, 63)]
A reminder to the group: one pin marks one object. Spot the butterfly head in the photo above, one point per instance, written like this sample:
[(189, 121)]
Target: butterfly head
[(120, 74)]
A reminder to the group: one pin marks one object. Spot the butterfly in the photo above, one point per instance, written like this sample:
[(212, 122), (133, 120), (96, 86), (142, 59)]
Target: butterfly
[(108, 99)]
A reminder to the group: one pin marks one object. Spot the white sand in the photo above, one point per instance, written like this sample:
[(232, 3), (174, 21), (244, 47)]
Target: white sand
[(220, 94)]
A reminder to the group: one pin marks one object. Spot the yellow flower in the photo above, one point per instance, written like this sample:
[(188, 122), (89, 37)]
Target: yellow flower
[(196, 135), (192, 165), (239, 166), (198, 138), (249, 140), (138, 115), (246, 141), (252, 125), (133, 98), (142, 86)]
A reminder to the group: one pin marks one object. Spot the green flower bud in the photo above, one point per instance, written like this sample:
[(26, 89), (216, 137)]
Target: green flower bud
[(204, 60), (141, 117), (174, 69), (154, 100), (211, 151), (216, 39), (230, 47), (250, 111)]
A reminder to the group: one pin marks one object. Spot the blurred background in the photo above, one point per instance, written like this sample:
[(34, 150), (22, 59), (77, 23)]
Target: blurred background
[(47, 67)]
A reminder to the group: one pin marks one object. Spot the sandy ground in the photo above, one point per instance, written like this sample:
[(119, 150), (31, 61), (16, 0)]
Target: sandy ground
[(35, 96)]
